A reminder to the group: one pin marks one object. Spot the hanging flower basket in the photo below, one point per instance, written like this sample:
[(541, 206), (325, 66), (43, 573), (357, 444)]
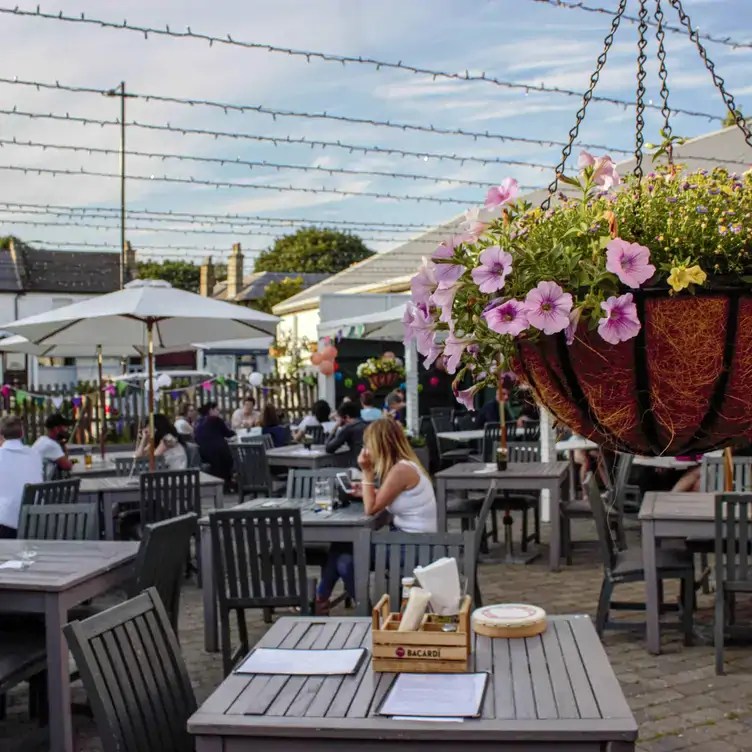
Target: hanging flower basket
[(683, 385), (625, 304), (383, 380), (382, 373)]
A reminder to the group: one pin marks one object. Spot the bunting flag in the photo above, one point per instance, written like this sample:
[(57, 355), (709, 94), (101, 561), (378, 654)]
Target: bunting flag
[(21, 395), (77, 401), (206, 386), (5, 391), (121, 387), (57, 402)]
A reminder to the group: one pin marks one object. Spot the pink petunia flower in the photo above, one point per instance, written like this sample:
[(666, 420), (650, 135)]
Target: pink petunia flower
[(431, 355), (508, 318), (495, 265), (604, 169), (447, 274), (444, 298), (630, 262), (620, 322), (502, 194), (418, 326), (454, 346), (424, 282), (466, 397), (548, 307), (574, 320), (476, 221)]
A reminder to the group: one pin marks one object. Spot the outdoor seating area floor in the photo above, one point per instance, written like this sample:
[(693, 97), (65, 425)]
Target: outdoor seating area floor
[(678, 701)]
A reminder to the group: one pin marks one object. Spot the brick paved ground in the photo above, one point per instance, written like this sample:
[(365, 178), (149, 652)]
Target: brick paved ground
[(677, 699)]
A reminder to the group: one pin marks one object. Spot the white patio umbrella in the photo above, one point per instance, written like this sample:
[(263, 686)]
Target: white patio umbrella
[(168, 317)]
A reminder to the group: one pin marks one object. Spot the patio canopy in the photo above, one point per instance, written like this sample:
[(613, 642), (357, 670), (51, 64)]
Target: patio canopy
[(384, 325)]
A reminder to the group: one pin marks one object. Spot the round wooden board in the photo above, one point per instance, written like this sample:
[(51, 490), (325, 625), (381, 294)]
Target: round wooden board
[(509, 620)]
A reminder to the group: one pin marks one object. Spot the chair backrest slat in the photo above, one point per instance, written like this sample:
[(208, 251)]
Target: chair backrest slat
[(134, 676), (713, 474), (606, 544), (316, 433), (51, 492), (491, 439), (125, 466), (169, 493), (522, 451), (733, 542), (396, 554), (161, 560), (74, 522), (252, 467)]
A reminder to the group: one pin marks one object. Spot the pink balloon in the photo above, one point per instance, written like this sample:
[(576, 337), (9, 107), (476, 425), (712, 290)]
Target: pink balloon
[(326, 367)]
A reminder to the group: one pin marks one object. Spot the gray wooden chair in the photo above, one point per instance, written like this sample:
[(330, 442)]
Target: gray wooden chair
[(265, 440), (259, 562), (447, 455), (621, 567), (396, 554), (733, 564), (23, 658), (134, 676), (254, 475), (316, 433), (169, 493), (51, 492), (138, 465), (193, 455), (302, 483), (74, 522)]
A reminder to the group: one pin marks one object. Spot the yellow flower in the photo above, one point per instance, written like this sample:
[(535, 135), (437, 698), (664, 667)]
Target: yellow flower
[(682, 277)]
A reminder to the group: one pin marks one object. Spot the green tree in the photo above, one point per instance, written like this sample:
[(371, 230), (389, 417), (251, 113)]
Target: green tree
[(313, 250), (276, 292), (184, 275), (730, 119)]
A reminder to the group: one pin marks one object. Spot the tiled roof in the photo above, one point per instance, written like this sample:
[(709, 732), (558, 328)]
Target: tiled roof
[(390, 269), (254, 285)]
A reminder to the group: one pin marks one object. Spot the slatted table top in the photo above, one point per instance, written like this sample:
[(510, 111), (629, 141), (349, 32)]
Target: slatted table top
[(298, 450), (658, 505), (352, 516), (59, 565), (555, 688), (514, 470), (96, 485)]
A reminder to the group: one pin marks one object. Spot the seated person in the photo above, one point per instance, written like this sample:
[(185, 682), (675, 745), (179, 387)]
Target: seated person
[(168, 443), (246, 415), (395, 405), (489, 413), (50, 447), (211, 436), (271, 425), (369, 412), (349, 430), (320, 413), (405, 491)]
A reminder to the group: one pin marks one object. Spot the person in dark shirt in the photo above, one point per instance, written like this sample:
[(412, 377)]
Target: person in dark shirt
[(211, 433), (350, 428), (270, 425), (489, 413)]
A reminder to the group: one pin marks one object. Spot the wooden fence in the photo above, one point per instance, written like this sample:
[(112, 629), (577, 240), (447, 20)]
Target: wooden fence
[(292, 396)]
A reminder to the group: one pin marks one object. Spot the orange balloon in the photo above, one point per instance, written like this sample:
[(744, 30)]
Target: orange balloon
[(326, 367), (329, 352), (316, 358)]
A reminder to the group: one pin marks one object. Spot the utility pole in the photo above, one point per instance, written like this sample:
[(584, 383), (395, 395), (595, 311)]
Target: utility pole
[(119, 91)]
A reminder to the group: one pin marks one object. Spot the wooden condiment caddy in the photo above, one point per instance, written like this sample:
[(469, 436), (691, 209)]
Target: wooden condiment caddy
[(427, 650)]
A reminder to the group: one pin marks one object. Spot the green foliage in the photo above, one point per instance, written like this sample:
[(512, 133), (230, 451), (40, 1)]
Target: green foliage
[(730, 119), (181, 274), (312, 250), (372, 366), (5, 242), (277, 291)]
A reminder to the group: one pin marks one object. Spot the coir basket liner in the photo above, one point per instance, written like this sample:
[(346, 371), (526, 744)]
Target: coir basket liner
[(683, 385)]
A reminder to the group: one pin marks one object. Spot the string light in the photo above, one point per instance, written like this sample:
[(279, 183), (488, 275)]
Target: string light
[(310, 55), (224, 161), (250, 186), (100, 212), (728, 41)]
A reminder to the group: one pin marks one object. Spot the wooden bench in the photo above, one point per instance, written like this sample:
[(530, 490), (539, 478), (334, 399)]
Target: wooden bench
[(23, 658)]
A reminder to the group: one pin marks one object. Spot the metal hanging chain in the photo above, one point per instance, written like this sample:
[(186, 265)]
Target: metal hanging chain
[(642, 43), (717, 80), (660, 35), (574, 132)]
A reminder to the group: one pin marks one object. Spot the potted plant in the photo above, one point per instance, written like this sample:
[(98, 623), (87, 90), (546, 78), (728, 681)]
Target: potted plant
[(382, 372)]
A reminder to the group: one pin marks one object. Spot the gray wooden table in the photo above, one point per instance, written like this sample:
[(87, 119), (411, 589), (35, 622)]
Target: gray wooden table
[(519, 476), (112, 492), (551, 693), (63, 574), (347, 525), (296, 455), (100, 467), (664, 516)]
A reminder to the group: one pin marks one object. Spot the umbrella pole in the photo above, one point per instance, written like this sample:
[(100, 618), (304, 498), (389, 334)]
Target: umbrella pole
[(728, 466), (150, 358), (101, 420)]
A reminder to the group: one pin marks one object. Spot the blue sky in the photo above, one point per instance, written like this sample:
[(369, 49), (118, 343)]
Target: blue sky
[(515, 40)]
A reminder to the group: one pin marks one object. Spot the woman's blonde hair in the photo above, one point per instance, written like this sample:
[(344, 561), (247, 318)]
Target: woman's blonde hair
[(388, 445)]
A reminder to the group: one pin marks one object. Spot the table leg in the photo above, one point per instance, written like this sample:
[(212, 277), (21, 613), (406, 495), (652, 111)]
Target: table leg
[(108, 511), (555, 512), (361, 562), (211, 641), (219, 497), (572, 476), (58, 676), (441, 505), (652, 603)]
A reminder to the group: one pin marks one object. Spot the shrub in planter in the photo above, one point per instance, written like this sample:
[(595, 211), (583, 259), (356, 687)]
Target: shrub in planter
[(626, 308)]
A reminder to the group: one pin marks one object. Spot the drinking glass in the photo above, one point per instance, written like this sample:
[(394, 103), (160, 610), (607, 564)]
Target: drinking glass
[(322, 495), (87, 459), (27, 556)]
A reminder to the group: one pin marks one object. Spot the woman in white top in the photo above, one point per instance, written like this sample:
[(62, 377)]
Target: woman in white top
[(320, 413), (167, 444), (405, 491)]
